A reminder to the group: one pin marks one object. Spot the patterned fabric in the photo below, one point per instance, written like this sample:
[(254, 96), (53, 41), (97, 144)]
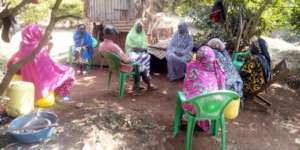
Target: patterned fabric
[(42, 71), (233, 80), (65, 88), (216, 43), (253, 76), (143, 59), (202, 76), (261, 48), (179, 52)]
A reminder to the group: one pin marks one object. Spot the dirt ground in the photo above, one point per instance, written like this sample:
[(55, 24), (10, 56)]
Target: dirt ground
[(96, 117)]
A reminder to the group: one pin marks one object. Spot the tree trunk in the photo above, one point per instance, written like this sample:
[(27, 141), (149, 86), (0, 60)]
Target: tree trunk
[(240, 33)]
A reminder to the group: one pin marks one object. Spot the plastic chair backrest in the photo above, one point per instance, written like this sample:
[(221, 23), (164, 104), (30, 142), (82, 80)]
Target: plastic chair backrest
[(211, 105), (112, 60), (236, 56)]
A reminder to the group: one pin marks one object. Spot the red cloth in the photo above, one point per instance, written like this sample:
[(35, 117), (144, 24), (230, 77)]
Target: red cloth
[(215, 16)]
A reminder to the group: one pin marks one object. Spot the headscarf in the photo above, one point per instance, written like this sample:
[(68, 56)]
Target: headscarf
[(216, 43), (83, 39), (181, 41), (203, 75), (135, 39), (208, 62), (31, 36), (42, 71), (263, 55)]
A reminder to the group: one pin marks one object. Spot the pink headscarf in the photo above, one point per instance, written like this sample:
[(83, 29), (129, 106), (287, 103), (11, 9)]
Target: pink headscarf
[(42, 70), (31, 36), (203, 75)]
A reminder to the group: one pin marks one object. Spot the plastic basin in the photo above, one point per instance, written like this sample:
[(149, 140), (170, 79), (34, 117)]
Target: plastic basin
[(34, 136)]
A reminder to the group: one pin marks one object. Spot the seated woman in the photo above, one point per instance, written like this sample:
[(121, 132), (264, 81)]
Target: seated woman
[(83, 48), (46, 75), (109, 45), (256, 70), (179, 52), (136, 47), (202, 76), (233, 80)]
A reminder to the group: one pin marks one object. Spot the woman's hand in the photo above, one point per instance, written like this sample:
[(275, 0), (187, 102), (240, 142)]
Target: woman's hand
[(50, 46), (139, 49)]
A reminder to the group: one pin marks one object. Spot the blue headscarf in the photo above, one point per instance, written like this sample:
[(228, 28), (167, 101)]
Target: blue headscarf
[(84, 39)]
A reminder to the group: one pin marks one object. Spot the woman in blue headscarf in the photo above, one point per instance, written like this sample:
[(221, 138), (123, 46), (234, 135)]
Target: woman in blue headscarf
[(83, 48), (179, 52)]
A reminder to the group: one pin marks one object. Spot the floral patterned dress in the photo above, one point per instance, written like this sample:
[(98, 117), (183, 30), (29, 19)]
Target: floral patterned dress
[(202, 76)]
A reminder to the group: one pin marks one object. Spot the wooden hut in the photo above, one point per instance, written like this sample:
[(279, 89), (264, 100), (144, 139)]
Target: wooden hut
[(120, 13)]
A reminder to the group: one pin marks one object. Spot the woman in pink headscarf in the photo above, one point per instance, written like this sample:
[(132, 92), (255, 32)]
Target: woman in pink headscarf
[(202, 76), (46, 75)]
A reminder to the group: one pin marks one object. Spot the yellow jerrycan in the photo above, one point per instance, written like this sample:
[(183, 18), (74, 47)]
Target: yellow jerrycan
[(231, 111), (47, 101), (21, 96)]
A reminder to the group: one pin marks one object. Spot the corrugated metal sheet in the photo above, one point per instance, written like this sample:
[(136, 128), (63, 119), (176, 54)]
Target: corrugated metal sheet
[(110, 10)]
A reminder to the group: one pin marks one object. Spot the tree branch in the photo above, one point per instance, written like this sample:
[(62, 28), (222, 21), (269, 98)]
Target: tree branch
[(15, 67), (14, 11), (67, 16)]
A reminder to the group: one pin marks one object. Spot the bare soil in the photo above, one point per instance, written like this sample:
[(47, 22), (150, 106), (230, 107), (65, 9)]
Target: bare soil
[(97, 118)]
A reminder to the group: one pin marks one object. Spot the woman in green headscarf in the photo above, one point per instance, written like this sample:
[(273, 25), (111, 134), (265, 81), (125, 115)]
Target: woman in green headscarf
[(136, 47)]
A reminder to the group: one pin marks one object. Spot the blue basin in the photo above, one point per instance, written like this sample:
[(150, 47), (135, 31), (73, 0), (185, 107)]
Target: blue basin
[(36, 135)]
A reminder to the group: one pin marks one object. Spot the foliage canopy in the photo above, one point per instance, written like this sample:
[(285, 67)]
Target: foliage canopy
[(33, 13)]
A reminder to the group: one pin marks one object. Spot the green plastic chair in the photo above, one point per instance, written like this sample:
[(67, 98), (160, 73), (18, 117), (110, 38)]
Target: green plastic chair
[(238, 58), (113, 62), (208, 106)]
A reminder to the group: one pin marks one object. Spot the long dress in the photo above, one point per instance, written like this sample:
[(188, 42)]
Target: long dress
[(84, 40), (180, 43), (233, 79), (257, 69), (253, 75), (202, 76), (42, 71), (138, 40)]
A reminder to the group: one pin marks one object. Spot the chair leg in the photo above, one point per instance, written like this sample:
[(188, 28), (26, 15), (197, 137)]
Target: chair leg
[(122, 80), (178, 114), (214, 130), (223, 144), (109, 80), (137, 78), (189, 133)]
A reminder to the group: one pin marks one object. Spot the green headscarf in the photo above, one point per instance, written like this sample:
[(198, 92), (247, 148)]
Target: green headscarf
[(135, 40)]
